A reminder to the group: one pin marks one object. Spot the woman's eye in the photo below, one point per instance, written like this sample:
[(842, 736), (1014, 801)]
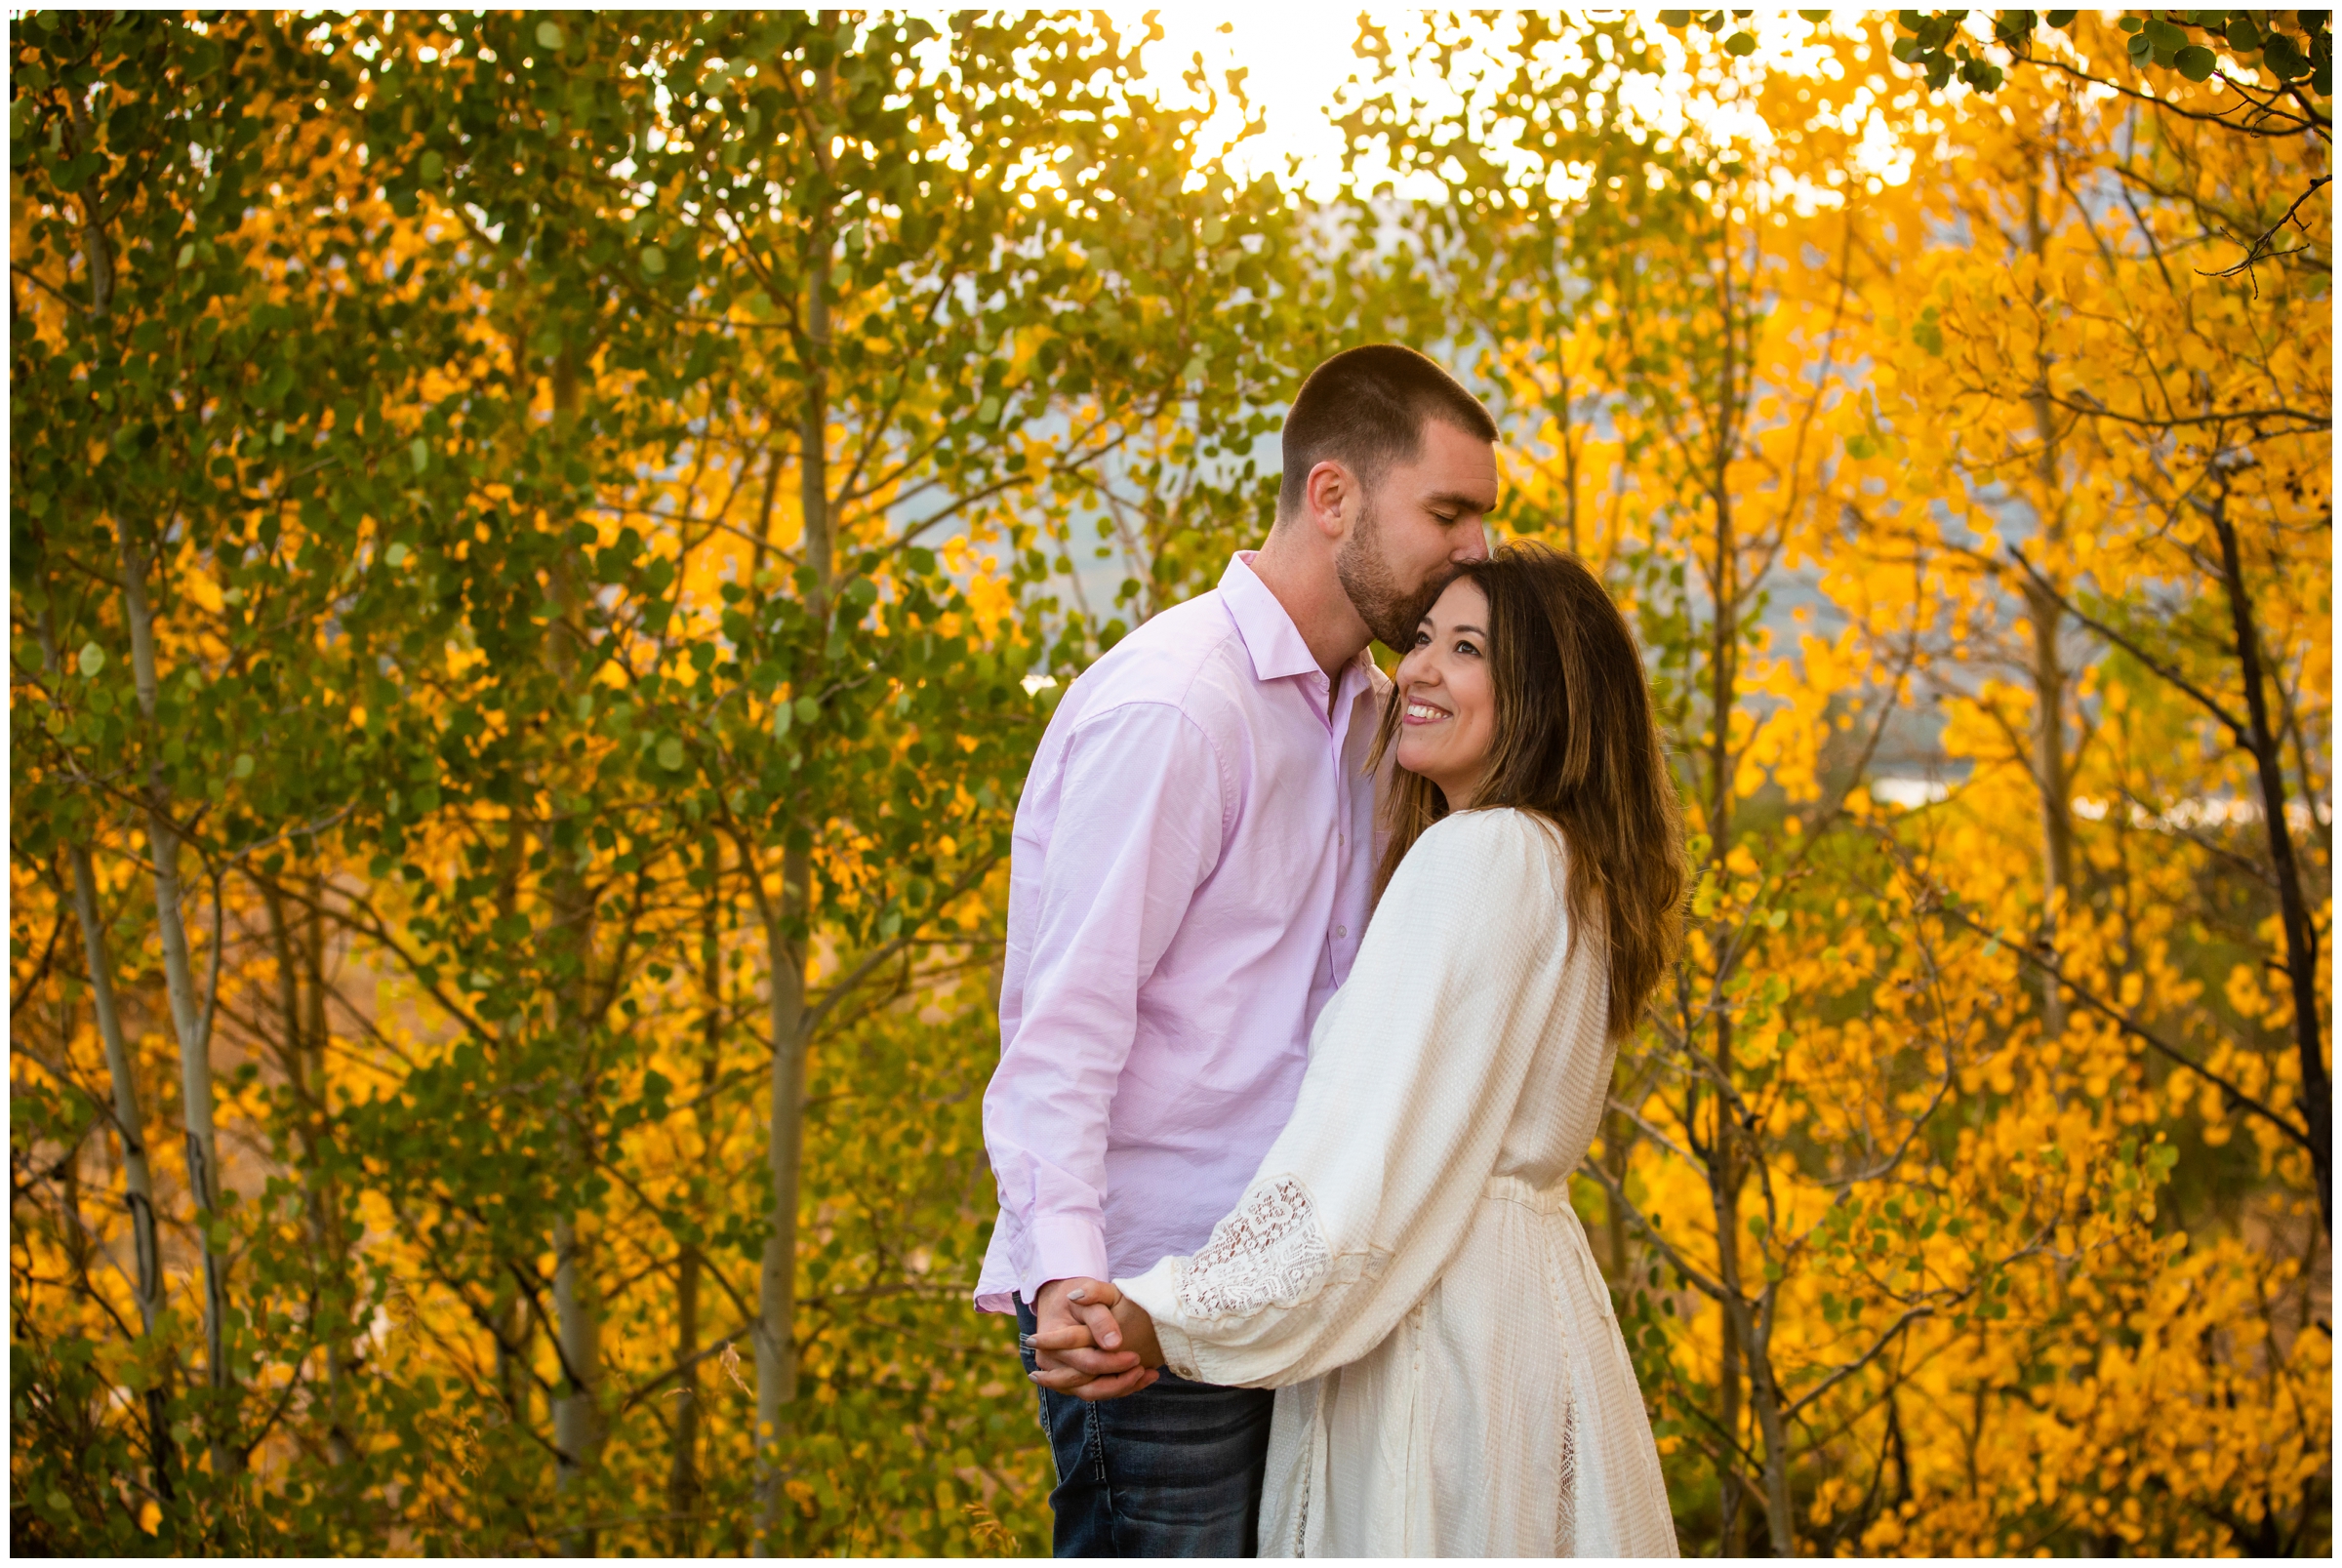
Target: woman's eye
[(1423, 639), (1467, 646)]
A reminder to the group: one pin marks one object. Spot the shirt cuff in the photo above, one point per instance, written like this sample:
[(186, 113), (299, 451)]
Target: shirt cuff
[(1156, 1292), (1064, 1247)]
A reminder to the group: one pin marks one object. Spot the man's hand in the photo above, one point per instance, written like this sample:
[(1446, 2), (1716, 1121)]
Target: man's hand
[(1077, 1343)]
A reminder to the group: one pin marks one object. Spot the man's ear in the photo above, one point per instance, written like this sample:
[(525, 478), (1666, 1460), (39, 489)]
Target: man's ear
[(1329, 489)]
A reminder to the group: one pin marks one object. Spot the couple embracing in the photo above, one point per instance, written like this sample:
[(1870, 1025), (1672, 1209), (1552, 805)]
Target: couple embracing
[(1314, 982)]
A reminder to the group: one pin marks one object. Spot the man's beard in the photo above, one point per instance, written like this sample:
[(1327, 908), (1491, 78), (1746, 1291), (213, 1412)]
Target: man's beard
[(1390, 609)]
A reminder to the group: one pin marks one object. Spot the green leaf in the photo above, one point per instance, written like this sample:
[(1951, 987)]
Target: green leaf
[(2284, 58), (653, 260), (244, 765), (419, 453), (549, 36), (808, 711), (670, 754), (1703, 897), (92, 659), (395, 555), (2195, 62), (431, 166), (1927, 333), (1741, 43), (186, 255)]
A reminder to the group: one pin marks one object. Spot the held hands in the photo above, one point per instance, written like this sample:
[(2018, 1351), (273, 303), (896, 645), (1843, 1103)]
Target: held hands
[(1093, 1341)]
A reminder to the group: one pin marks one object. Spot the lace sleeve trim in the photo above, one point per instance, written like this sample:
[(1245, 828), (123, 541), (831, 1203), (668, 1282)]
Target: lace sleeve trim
[(1271, 1252)]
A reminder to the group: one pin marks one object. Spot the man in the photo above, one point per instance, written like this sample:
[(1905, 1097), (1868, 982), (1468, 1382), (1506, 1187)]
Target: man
[(1187, 887)]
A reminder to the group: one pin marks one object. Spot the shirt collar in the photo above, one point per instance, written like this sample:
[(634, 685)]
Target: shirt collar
[(1270, 635)]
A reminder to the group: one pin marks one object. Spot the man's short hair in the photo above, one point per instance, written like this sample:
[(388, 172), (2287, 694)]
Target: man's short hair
[(1366, 409)]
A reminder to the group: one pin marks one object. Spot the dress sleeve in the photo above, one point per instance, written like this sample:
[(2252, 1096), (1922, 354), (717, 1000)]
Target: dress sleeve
[(1415, 1071)]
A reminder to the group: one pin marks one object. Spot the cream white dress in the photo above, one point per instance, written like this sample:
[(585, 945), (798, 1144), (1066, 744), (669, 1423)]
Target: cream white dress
[(1406, 1269)]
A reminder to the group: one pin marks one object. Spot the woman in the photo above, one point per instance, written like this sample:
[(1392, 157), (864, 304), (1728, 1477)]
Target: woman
[(1405, 1268)]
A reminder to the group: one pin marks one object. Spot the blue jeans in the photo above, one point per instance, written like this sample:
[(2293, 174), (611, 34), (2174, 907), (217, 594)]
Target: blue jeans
[(1173, 1470)]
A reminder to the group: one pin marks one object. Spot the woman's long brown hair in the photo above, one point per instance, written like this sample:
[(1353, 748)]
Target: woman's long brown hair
[(1575, 743)]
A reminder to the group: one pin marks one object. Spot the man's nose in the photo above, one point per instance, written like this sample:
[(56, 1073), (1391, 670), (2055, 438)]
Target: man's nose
[(1473, 547)]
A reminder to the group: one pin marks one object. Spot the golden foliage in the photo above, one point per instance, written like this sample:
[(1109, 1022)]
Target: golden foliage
[(573, 661)]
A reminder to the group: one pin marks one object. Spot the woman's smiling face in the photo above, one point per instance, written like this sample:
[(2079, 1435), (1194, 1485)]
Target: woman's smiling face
[(1449, 718)]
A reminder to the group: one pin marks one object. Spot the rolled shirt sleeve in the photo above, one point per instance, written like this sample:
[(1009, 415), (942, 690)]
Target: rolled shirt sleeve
[(1141, 810)]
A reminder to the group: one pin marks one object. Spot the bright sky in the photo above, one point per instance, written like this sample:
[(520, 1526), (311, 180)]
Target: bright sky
[(1299, 55)]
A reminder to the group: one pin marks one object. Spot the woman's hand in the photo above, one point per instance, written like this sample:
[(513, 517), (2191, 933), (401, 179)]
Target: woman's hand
[(1132, 1327), (1138, 1330)]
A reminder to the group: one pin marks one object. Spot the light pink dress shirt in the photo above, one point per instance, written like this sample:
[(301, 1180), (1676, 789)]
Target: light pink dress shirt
[(1187, 888)]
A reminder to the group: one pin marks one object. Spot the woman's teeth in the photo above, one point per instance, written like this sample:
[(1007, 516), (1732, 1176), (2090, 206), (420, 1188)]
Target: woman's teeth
[(1418, 710)]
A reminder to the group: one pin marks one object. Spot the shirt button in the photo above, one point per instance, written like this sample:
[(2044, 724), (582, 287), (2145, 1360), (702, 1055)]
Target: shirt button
[(1341, 930)]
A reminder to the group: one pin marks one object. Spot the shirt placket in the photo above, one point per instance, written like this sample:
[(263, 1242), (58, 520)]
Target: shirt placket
[(1337, 717)]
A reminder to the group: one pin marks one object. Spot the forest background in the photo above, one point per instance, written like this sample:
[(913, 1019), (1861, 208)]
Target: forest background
[(542, 546)]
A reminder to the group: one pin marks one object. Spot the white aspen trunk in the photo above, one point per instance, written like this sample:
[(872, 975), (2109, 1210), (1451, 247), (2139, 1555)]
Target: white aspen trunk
[(2049, 673), (1765, 1394), (776, 1331), (2049, 771), (329, 1205), (682, 1473), (578, 1426), (194, 1059), (577, 1410), (776, 1342), (683, 1470), (130, 1128), (188, 1019), (130, 1123)]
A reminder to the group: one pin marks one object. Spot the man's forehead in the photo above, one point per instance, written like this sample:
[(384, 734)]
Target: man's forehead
[(1455, 467)]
